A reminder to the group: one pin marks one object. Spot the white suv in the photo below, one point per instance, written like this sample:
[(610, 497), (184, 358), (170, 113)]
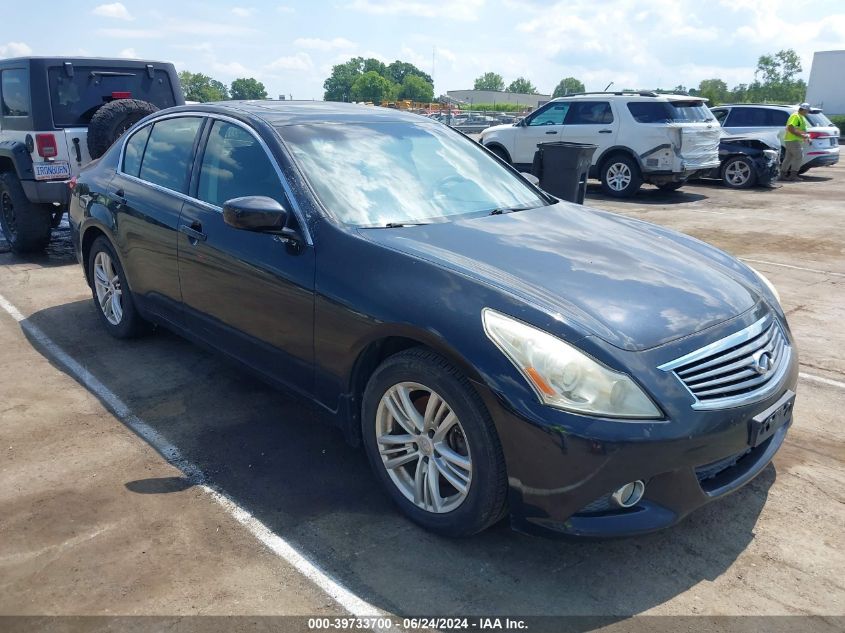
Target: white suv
[(745, 118), (662, 139)]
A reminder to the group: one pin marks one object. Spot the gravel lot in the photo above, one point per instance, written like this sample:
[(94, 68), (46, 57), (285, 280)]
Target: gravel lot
[(95, 521)]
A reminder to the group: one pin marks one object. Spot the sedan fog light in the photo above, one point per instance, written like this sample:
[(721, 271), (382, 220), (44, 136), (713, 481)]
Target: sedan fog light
[(629, 494)]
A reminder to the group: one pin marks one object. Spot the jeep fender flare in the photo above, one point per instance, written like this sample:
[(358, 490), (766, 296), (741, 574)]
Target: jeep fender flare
[(14, 155)]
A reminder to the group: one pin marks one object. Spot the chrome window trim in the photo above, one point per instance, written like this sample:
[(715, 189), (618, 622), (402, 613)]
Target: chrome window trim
[(300, 216), (732, 340)]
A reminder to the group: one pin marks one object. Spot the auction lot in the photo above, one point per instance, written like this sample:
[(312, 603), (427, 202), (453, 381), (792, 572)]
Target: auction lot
[(95, 521)]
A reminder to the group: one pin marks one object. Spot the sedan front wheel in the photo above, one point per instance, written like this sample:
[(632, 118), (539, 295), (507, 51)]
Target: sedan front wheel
[(432, 444)]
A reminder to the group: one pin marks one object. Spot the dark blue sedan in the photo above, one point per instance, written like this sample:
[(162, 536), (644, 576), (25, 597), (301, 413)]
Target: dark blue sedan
[(496, 351)]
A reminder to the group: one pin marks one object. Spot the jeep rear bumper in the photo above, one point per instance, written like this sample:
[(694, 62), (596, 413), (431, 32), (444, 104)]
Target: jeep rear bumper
[(47, 191)]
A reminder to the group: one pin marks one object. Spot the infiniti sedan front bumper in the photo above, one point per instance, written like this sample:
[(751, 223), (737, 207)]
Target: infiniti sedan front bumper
[(563, 469)]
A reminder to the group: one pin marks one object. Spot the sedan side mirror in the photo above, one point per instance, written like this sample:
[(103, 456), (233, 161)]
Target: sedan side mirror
[(255, 213)]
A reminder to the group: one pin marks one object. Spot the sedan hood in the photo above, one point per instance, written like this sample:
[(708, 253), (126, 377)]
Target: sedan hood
[(633, 284)]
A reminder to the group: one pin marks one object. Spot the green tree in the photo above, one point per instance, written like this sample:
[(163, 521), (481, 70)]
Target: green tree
[(248, 88), (370, 86), (715, 90), (338, 86), (399, 70), (775, 78), (568, 86), (523, 86), (416, 89), (202, 88), (489, 81)]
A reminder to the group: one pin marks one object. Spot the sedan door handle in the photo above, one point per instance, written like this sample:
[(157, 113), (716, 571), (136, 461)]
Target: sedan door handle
[(605, 131), (194, 232), (551, 132)]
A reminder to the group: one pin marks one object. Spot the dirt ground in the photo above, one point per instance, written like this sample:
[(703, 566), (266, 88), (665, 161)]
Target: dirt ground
[(95, 521)]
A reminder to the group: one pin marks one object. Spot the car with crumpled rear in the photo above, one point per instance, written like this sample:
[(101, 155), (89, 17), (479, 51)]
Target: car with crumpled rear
[(760, 118), (495, 351), (640, 137)]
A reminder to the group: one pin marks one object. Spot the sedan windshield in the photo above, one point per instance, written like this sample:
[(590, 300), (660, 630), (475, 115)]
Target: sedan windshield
[(395, 173)]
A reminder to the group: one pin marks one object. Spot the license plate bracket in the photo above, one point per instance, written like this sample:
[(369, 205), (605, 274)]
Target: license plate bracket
[(763, 425)]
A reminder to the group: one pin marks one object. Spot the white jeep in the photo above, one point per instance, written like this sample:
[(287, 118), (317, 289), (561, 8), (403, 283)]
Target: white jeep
[(56, 115), (641, 137)]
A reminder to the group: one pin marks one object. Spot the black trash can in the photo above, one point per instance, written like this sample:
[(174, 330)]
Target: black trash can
[(563, 168)]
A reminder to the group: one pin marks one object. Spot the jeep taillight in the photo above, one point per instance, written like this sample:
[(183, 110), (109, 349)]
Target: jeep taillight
[(46, 145)]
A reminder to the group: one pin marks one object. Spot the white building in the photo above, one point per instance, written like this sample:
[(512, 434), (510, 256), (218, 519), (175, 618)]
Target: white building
[(494, 96), (826, 89)]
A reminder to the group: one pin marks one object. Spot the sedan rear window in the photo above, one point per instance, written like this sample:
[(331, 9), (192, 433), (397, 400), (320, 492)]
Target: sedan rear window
[(75, 99), (669, 111), (372, 174), (169, 152)]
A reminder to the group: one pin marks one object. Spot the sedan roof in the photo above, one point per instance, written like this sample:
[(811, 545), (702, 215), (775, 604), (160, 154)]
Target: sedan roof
[(280, 113)]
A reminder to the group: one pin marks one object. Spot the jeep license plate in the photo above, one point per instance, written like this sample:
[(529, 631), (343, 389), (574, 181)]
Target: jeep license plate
[(763, 425), (51, 171)]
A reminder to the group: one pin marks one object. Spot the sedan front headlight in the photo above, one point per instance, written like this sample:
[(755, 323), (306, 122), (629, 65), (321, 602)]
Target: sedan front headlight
[(766, 282), (563, 376)]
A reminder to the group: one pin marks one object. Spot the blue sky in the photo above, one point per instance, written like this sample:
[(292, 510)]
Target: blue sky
[(291, 45)]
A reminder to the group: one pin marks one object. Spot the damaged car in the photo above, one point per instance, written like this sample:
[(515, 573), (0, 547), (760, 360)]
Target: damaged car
[(747, 161)]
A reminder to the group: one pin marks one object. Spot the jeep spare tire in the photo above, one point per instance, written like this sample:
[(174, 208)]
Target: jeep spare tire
[(112, 120)]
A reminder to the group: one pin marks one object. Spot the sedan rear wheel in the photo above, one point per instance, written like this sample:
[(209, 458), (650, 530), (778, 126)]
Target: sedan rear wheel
[(112, 297), (432, 444)]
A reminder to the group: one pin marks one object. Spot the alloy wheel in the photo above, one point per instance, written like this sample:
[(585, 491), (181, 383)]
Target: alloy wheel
[(618, 176), (107, 286), (738, 173), (423, 447)]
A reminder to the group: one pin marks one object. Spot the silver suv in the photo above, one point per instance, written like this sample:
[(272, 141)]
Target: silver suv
[(748, 118)]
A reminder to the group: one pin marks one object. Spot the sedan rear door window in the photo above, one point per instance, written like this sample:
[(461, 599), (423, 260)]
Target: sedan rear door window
[(169, 153)]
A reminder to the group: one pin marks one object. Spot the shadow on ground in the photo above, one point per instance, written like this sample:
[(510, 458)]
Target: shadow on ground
[(649, 195), (279, 460), (59, 251)]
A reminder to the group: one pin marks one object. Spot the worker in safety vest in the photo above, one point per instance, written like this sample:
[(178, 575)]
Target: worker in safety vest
[(793, 143)]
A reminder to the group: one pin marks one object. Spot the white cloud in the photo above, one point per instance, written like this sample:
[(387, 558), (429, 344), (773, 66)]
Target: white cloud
[(300, 61), (462, 10), (15, 49), (233, 69), (283, 8), (318, 44), (128, 34), (243, 12), (115, 10), (128, 53)]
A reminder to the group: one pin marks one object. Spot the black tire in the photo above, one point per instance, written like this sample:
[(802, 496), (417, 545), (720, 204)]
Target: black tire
[(26, 226), (112, 120), (671, 186), (738, 173), (501, 153), (131, 324), (485, 501), (635, 180)]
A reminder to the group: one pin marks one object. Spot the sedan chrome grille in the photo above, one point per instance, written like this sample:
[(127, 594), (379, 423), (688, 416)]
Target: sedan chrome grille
[(739, 368)]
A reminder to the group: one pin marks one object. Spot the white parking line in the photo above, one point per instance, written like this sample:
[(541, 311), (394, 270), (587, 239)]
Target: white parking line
[(810, 270), (821, 380), (279, 546)]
